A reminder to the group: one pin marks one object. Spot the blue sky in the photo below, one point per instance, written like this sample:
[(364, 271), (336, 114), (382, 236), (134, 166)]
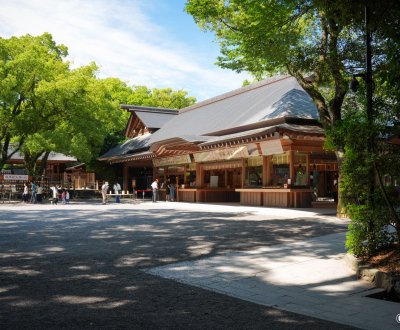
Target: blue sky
[(143, 42)]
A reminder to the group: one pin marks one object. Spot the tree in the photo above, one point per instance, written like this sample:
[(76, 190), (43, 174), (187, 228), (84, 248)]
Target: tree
[(25, 62), (321, 44), (160, 98), (295, 37)]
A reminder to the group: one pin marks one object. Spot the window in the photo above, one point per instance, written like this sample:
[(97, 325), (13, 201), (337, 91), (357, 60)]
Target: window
[(253, 172), (280, 170), (300, 166)]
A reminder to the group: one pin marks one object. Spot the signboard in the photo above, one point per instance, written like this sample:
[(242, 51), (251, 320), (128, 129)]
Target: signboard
[(16, 177), (271, 147), (172, 160), (221, 154)]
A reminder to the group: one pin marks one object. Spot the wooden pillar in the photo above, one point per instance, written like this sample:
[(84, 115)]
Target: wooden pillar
[(177, 187), (243, 171), (185, 168), (291, 167), (266, 170), (307, 169), (125, 176), (226, 178), (199, 176)]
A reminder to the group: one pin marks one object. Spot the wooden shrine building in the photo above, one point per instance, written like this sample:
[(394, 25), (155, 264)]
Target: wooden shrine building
[(258, 145)]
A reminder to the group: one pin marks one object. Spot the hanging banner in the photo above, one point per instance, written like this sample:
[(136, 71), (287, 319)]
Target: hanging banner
[(172, 160), (272, 147), (221, 154), (252, 149), (16, 177)]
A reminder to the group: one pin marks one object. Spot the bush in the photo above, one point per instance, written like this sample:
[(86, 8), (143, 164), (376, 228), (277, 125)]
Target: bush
[(366, 232)]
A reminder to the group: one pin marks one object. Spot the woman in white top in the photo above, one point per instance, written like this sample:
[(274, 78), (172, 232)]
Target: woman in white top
[(25, 193)]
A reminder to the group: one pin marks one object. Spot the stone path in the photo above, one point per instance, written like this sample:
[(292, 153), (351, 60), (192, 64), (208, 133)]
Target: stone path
[(308, 277)]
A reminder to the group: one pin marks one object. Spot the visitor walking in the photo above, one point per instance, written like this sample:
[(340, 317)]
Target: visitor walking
[(172, 191), (34, 192), (54, 192), (104, 190), (167, 190), (154, 187), (39, 194), (117, 191), (25, 194)]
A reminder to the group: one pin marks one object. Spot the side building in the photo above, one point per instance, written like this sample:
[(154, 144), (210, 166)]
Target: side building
[(14, 174)]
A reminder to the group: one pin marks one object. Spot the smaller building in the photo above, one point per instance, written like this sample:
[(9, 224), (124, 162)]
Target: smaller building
[(133, 155), (76, 177), (13, 176)]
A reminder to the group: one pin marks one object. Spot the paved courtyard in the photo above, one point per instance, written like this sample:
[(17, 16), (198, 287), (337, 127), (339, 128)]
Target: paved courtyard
[(115, 266)]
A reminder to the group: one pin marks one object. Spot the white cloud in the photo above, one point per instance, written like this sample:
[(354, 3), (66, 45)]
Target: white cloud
[(123, 40)]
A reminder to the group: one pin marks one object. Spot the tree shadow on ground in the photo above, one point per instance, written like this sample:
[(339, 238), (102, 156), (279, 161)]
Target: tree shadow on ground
[(83, 268)]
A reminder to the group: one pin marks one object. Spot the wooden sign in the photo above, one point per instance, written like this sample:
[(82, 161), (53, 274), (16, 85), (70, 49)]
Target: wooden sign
[(15, 177)]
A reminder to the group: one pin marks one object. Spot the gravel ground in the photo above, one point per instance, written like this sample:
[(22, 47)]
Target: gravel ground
[(81, 266)]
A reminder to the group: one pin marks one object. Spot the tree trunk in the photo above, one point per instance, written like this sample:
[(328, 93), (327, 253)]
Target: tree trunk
[(31, 162), (43, 163), (4, 150), (341, 204)]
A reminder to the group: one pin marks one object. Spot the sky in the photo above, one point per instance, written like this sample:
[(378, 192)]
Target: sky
[(143, 42)]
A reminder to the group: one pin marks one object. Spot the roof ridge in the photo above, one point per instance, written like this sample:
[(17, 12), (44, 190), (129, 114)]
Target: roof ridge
[(235, 92), (131, 108)]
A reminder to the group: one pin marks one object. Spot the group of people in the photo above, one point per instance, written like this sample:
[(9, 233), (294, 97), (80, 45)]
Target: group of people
[(34, 194), (117, 192), (170, 191), (57, 193)]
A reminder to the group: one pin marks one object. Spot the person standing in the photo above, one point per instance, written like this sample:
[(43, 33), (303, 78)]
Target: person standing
[(25, 194), (34, 192), (172, 192), (54, 191), (117, 191), (167, 190), (63, 196), (154, 187), (39, 195), (67, 197), (104, 190)]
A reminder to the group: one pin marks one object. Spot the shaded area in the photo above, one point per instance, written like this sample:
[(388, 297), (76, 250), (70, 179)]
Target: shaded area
[(83, 267)]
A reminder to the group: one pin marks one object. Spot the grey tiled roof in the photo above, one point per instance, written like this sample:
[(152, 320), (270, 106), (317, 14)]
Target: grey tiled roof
[(53, 156), (131, 157), (263, 101), (154, 119), (309, 129), (136, 144)]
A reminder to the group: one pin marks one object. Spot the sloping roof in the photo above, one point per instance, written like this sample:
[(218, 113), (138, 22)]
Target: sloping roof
[(312, 130), (151, 117), (130, 146), (263, 101), (131, 157), (154, 119), (53, 156)]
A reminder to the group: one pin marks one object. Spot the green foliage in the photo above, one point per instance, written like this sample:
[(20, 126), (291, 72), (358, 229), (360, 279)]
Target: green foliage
[(160, 98), (366, 232), (47, 106), (369, 211)]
